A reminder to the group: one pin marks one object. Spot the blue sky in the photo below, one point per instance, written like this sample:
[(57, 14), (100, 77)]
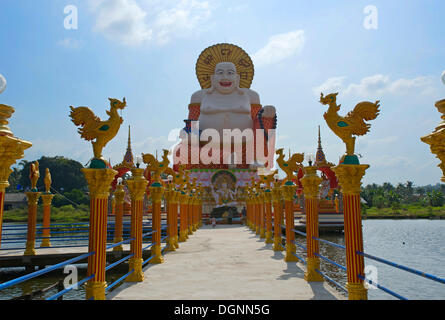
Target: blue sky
[(146, 51)]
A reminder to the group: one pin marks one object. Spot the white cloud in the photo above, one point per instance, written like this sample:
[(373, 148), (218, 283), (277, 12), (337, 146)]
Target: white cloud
[(378, 85), (121, 20), (279, 48), (132, 22)]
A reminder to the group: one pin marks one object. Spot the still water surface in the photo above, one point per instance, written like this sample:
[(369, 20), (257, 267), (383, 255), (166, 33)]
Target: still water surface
[(418, 244)]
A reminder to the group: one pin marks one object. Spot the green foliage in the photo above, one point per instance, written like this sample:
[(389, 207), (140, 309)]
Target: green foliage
[(65, 213), (65, 174)]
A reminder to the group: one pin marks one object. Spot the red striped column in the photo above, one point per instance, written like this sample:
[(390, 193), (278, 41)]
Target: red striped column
[(119, 196), (2, 204), (33, 198), (311, 183), (175, 218), (183, 231), (46, 199), (189, 213), (156, 193), (349, 177), (268, 206), (288, 195), (277, 218), (99, 181), (137, 186)]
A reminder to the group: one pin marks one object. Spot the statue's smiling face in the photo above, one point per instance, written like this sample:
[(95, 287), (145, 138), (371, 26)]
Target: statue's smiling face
[(225, 80)]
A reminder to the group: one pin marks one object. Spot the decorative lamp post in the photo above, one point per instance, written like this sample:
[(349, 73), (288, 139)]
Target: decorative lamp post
[(311, 183), (119, 195), (436, 140), (11, 149), (277, 213)]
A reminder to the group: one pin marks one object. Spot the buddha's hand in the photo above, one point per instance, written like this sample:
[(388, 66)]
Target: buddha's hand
[(268, 112)]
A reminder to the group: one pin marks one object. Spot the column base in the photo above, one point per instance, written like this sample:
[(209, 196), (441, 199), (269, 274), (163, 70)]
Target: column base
[(45, 243), (156, 252), (262, 233), (137, 275), (290, 257), (277, 244), (30, 250), (183, 236), (190, 230), (175, 242), (95, 290), (257, 230), (357, 291), (311, 275), (170, 245), (269, 238)]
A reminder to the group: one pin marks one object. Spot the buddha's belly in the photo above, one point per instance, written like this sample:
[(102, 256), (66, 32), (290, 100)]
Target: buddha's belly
[(226, 120)]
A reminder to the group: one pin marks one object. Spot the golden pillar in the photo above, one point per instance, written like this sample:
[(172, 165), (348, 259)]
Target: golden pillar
[(189, 212), (156, 193), (436, 140), (349, 177), (137, 185), (262, 204), (268, 205), (169, 197), (33, 199), (183, 229), (11, 150), (288, 195), (119, 195), (311, 183), (176, 200), (47, 200), (99, 181), (257, 214), (277, 217)]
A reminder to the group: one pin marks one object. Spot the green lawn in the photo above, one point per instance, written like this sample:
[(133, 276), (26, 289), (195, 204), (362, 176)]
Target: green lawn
[(405, 211), (63, 214)]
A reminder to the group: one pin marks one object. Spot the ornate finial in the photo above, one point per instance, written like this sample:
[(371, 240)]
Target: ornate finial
[(34, 175), (2, 83)]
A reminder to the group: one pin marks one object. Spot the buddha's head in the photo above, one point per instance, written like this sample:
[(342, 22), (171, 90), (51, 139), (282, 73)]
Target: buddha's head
[(225, 80)]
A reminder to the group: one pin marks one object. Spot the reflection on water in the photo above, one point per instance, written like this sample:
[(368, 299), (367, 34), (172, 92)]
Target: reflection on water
[(418, 244)]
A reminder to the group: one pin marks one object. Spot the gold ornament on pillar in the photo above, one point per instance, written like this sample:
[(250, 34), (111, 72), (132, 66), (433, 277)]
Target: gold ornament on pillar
[(290, 166), (47, 181), (93, 128), (436, 140), (158, 167), (353, 124)]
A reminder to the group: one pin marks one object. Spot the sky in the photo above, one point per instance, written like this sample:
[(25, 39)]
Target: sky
[(146, 50)]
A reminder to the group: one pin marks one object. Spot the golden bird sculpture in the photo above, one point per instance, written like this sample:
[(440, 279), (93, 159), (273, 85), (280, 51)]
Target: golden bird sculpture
[(34, 175), (268, 178), (47, 181), (93, 128), (352, 125), (291, 165), (153, 165)]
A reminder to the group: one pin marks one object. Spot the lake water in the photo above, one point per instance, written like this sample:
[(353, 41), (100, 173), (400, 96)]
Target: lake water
[(418, 244)]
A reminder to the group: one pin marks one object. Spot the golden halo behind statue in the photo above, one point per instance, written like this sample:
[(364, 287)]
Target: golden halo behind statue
[(224, 52)]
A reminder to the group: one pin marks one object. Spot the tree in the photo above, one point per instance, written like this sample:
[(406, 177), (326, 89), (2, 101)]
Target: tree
[(65, 174)]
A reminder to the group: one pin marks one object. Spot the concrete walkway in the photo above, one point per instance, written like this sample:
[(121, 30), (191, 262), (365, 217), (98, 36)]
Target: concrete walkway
[(225, 263)]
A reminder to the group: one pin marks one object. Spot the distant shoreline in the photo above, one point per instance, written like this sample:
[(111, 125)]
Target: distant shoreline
[(402, 217)]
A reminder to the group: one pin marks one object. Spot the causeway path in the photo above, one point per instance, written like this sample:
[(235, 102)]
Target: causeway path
[(226, 263)]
